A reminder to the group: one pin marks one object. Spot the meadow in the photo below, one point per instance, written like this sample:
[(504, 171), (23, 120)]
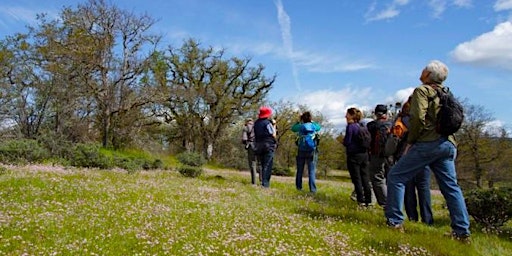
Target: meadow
[(53, 210)]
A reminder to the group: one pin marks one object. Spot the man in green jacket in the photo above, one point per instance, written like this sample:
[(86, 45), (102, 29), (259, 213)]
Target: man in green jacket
[(426, 147)]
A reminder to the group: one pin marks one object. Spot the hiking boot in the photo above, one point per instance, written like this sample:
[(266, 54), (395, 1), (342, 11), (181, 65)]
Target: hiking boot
[(398, 227), (353, 196), (361, 206), (463, 238)]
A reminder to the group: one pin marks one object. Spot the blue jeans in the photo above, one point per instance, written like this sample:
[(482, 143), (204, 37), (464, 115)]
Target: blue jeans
[(440, 156), (309, 158), (267, 161), (421, 184)]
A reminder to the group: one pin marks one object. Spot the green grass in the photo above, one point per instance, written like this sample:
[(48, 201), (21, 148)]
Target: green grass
[(57, 211)]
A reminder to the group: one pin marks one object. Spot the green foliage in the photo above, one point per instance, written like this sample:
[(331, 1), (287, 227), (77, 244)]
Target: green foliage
[(281, 171), (191, 159), (22, 151), (491, 208), (190, 171), (3, 170), (90, 156)]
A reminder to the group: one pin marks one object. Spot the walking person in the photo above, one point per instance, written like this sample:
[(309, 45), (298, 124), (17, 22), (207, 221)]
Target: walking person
[(307, 150), (426, 147), (266, 143), (248, 138), (357, 158)]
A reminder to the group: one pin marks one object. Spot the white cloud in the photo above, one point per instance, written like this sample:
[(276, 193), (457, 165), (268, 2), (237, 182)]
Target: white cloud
[(503, 5), (334, 103), (20, 14), (438, 7), (393, 9), (389, 12), (490, 49), (462, 3), (328, 63), (286, 34)]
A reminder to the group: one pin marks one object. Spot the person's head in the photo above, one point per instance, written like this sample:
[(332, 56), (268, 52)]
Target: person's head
[(435, 72), (353, 115), (306, 117), (381, 111), (406, 107), (248, 120), (265, 112)]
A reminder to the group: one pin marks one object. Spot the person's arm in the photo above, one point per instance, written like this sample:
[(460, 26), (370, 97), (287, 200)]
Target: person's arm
[(348, 135), (245, 138), (271, 130), (317, 126), (296, 127)]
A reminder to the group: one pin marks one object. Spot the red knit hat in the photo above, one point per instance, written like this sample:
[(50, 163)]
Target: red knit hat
[(265, 112)]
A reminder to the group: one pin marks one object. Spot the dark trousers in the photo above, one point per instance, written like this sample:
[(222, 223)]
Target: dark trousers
[(357, 165)]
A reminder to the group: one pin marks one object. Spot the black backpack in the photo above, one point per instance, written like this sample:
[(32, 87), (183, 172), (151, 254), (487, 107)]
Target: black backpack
[(364, 138), (380, 131), (451, 113)]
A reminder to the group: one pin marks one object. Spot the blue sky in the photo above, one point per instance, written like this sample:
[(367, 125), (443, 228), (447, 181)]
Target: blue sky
[(335, 54)]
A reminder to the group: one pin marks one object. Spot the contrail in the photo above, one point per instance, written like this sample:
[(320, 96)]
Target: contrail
[(284, 23)]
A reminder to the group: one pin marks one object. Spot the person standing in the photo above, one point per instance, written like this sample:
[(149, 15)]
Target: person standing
[(417, 190), (306, 130), (425, 146), (379, 164), (266, 143), (357, 158), (248, 140)]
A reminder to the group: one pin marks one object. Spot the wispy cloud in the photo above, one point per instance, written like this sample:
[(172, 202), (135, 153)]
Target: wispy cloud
[(393, 9), (438, 7), (463, 3), (286, 34), (389, 12), (503, 5), (328, 63), (489, 49), (12, 14)]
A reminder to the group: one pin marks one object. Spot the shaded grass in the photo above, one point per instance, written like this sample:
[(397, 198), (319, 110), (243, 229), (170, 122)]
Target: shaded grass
[(56, 211)]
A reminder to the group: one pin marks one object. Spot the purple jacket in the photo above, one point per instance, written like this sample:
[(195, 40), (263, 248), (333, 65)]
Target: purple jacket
[(350, 139)]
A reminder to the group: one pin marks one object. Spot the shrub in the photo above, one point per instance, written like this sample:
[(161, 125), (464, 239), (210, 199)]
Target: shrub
[(90, 156), (281, 171), (157, 164), (491, 208), (191, 159), (190, 171), (22, 151)]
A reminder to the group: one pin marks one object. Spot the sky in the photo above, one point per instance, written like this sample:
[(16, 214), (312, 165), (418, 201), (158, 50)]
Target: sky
[(334, 54)]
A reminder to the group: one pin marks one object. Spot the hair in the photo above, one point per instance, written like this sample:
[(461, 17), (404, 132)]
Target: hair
[(306, 117), (438, 71), (356, 114), (406, 107)]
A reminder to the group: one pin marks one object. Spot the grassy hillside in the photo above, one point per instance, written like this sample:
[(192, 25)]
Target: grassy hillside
[(48, 210)]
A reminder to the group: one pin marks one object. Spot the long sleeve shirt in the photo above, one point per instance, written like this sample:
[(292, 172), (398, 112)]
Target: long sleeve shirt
[(350, 139), (423, 115)]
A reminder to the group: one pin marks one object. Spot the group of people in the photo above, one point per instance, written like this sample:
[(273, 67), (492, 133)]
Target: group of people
[(397, 180), (405, 177), (260, 142)]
